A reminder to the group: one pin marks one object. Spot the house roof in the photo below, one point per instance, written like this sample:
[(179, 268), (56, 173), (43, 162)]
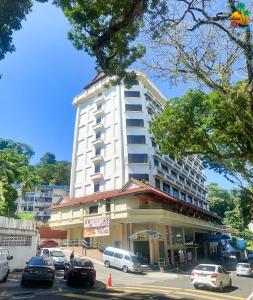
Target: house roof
[(98, 77), (132, 187)]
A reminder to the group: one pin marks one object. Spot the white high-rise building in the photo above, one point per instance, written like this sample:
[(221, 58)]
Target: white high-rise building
[(112, 143)]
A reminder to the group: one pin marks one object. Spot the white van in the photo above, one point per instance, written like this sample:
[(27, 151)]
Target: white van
[(4, 266), (122, 259)]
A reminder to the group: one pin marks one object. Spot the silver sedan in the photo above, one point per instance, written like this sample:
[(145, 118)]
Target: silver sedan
[(244, 269)]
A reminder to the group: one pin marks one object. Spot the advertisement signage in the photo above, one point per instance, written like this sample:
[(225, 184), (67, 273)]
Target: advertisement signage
[(96, 227)]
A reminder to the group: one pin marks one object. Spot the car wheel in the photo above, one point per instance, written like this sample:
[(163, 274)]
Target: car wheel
[(125, 269), (23, 283), (50, 283), (107, 264), (5, 278), (221, 287), (196, 286), (91, 283)]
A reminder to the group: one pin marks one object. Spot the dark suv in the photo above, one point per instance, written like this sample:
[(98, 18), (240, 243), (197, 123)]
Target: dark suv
[(80, 271)]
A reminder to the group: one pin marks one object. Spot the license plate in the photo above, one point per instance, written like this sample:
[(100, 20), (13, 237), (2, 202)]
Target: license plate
[(202, 275), (83, 273)]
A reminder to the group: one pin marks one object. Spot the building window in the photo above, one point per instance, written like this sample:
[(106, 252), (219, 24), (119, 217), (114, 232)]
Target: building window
[(132, 82), (183, 196), (157, 183), (188, 236), (173, 173), (108, 205), (135, 122), (156, 162), (166, 188), (195, 201), (136, 139), (189, 198), (133, 107), (181, 178), (132, 93), (99, 106), (93, 209), (175, 193), (137, 158), (194, 187), (144, 177), (97, 168), (96, 187), (177, 235), (98, 151), (186, 169), (98, 135), (98, 120), (153, 144), (188, 183), (165, 168)]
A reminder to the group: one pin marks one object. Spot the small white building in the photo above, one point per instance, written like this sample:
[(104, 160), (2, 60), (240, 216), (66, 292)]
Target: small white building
[(20, 238)]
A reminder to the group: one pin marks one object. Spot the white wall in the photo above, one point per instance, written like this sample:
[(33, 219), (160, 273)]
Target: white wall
[(13, 232)]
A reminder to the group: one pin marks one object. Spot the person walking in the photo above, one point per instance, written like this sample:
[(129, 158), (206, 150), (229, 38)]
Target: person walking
[(72, 255)]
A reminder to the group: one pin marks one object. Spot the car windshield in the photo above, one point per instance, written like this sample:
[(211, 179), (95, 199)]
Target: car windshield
[(135, 259), (82, 263), (39, 262), (57, 253), (205, 268), (243, 266)]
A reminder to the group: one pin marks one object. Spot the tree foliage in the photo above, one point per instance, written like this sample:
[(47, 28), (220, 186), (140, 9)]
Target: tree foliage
[(20, 148), (47, 158), (204, 124)]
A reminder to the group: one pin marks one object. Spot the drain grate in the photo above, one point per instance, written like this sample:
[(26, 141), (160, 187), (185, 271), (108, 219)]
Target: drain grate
[(23, 295)]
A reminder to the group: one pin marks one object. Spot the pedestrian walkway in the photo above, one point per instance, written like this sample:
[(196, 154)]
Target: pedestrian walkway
[(151, 292)]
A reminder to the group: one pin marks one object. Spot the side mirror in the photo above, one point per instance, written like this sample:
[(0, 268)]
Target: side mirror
[(9, 257), (27, 262)]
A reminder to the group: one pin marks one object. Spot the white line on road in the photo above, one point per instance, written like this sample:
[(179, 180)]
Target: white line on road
[(250, 296)]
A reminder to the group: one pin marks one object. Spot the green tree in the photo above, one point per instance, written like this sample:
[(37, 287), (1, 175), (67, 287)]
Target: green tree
[(20, 148), (54, 174), (47, 158), (12, 165), (204, 124), (220, 200)]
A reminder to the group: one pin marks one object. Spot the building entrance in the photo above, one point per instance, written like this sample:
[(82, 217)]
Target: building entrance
[(141, 249)]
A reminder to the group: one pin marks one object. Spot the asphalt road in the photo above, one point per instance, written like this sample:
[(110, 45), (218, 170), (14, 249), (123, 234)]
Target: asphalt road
[(126, 286)]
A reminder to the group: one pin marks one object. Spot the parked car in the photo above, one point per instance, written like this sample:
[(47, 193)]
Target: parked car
[(57, 256), (4, 265), (38, 268), (80, 271), (122, 259), (244, 269), (214, 276)]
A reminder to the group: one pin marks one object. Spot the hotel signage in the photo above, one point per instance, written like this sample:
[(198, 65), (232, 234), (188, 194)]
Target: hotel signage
[(96, 227), (144, 234)]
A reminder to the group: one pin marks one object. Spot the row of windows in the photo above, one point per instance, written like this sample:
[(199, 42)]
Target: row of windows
[(132, 93), (175, 192), (144, 177), (136, 139), (177, 176), (133, 107), (135, 122), (94, 208)]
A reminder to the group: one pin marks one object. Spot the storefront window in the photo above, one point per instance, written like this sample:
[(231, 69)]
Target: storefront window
[(188, 235), (177, 235)]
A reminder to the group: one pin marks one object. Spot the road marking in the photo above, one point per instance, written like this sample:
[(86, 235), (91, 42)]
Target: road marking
[(81, 296), (149, 286), (250, 296), (215, 293), (198, 296)]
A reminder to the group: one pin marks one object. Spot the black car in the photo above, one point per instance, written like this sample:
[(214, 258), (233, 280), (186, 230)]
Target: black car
[(38, 268), (80, 271)]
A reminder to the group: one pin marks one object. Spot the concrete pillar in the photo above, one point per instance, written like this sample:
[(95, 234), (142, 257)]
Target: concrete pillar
[(151, 250), (165, 238), (68, 236), (131, 241), (172, 252)]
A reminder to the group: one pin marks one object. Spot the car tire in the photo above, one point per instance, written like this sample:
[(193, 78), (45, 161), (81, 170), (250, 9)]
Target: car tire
[(196, 286), (107, 264), (23, 283), (91, 283), (6, 277), (125, 269), (221, 287), (50, 283)]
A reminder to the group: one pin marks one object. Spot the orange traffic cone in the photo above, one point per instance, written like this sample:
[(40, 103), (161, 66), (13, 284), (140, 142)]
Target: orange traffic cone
[(109, 281)]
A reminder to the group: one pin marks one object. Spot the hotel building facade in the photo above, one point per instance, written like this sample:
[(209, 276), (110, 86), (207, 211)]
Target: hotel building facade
[(114, 152)]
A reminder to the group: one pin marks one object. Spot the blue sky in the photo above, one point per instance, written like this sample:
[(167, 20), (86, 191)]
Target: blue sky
[(39, 82)]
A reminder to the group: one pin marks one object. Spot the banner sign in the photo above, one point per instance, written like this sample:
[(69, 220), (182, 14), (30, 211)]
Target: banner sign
[(96, 227)]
